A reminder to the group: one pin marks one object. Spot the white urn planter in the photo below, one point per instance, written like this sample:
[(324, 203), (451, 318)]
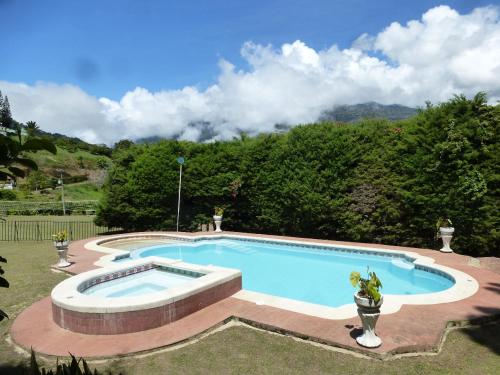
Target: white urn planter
[(218, 222), (368, 311), (446, 234), (62, 251)]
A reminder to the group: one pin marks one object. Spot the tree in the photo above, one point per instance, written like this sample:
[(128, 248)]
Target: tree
[(37, 180), (32, 128), (80, 161), (6, 119), (12, 149), (102, 163)]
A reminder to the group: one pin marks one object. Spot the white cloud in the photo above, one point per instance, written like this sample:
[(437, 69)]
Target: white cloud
[(433, 58)]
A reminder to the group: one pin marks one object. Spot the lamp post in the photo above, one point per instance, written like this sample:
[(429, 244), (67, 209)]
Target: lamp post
[(61, 182), (180, 160)]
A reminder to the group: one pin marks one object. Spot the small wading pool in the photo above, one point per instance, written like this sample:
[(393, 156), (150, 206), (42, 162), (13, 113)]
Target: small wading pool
[(141, 283), (139, 295)]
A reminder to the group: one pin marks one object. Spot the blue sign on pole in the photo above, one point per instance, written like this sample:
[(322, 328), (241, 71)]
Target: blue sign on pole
[(180, 160)]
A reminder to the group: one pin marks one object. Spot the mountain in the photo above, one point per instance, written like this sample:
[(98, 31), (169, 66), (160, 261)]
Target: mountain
[(343, 113), (356, 112)]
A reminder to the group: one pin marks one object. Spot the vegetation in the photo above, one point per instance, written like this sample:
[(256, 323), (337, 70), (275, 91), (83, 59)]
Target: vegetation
[(374, 181), (3, 284), (73, 368), (235, 350), (47, 208), (369, 287), (60, 236), (219, 211)]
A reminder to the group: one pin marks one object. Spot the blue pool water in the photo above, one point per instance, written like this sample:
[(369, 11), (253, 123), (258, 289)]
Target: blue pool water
[(138, 284), (302, 273)]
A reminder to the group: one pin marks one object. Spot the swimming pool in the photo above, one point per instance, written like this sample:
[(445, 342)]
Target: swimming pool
[(310, 273)]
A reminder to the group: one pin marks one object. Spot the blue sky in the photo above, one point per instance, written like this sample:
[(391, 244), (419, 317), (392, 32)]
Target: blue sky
[(110, 47), (108, 70)]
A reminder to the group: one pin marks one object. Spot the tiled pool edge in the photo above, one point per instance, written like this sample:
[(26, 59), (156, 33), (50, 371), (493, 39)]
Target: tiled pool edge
[(464, 287)]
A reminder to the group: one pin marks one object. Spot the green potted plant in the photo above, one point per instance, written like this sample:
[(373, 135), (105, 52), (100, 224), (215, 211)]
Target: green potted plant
[(368, 300), (219, 211), (445, 230), (61, 243)]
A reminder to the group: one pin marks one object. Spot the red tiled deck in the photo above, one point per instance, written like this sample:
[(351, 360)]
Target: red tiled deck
[(413, 328)]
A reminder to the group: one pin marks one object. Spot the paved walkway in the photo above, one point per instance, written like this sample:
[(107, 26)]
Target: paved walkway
[(413, 328)]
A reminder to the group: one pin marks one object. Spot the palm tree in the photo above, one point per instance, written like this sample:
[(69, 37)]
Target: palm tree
[(32, 128), (11, 154)]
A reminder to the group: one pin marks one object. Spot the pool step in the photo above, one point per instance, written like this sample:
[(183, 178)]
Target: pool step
[(241, 248), (402, 264)]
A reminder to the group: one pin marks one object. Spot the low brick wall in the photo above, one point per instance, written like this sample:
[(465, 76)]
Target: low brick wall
[(135, 321)]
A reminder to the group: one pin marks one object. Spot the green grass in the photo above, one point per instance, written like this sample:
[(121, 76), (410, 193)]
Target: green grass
[(82, 191), (236, 350), (65, 159)]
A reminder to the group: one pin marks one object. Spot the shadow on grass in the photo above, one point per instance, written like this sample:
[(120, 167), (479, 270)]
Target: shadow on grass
[(487, 334)]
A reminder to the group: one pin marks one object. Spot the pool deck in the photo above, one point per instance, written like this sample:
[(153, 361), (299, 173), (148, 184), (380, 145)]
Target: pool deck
[(414, 328)]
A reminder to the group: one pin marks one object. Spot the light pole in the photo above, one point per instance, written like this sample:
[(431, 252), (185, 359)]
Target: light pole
[(61, 182), (180, 160)]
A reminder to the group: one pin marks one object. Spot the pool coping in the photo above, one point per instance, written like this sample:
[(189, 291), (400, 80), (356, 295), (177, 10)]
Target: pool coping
[(464, 287)]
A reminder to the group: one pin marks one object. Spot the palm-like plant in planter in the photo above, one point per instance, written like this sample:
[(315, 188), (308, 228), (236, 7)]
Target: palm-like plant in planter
[(61, 244), (218, 212), (368, 299)]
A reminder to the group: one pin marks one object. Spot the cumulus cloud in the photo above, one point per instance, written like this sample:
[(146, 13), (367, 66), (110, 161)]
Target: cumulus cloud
[(441, 54)]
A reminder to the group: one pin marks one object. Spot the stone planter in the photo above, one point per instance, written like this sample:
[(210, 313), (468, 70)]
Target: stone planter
[(368, 311), (218, 222), (446, 234), (62, 251)]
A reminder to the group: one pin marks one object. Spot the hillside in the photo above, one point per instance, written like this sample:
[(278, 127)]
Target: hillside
[(81, 165), (357, 112)]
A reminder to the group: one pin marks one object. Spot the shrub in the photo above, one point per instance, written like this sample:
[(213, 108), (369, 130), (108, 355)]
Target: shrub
[(8, 195)]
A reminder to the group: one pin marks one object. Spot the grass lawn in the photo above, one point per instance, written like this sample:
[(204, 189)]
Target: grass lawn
[(238, 349), (82, 191)]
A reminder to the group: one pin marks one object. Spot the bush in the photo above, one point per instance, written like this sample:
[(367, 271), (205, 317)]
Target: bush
[(7, 195)]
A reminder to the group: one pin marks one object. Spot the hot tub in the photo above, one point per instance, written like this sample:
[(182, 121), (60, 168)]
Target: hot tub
[(139, 295)]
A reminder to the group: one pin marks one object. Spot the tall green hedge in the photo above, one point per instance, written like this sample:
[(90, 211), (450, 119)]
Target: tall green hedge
[(373, 181)]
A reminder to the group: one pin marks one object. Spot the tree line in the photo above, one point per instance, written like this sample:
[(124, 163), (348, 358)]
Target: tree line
[(373, 181)]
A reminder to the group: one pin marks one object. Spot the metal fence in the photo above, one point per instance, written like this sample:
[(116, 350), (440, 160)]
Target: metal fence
[(41, 230)]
